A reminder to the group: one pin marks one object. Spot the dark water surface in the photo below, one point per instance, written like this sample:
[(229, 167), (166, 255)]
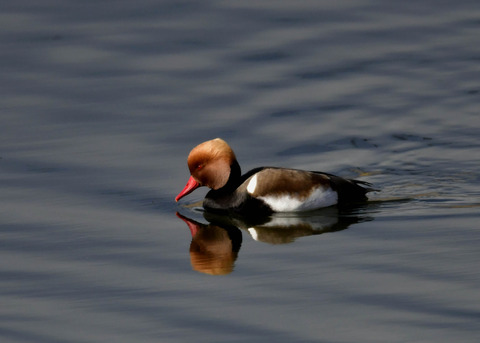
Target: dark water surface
[(102, 101)]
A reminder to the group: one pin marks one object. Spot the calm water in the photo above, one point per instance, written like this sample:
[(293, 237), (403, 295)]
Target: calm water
[(101, 103)]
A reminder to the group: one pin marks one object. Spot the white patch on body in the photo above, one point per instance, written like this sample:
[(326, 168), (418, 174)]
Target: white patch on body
[(319, 198), (252, 184), (253, 233)]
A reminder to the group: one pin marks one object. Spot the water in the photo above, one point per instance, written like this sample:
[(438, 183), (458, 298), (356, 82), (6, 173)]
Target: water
[(101, 103)]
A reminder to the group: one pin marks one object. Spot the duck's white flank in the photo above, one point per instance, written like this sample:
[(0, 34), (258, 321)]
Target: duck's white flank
[(319, 198)]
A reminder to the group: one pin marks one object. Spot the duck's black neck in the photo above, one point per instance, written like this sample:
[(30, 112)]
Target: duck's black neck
[(235, 176)]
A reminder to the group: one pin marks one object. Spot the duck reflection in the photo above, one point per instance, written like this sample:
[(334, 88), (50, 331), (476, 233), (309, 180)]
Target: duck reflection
[(215, 246), (282, 228)]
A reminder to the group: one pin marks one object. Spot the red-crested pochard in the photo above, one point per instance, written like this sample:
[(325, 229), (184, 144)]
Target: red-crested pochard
[(264, 190)]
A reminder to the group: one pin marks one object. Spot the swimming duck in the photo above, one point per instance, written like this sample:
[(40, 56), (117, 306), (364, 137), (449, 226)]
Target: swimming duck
[(264, 190)]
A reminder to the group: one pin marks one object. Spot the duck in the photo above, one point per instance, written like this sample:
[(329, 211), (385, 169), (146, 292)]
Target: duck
[(264, 190)]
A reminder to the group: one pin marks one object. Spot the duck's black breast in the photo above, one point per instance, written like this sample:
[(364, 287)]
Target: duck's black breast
[(233, 197)]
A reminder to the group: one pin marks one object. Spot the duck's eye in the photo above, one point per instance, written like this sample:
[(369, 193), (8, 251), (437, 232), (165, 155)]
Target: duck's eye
[(199, 166)]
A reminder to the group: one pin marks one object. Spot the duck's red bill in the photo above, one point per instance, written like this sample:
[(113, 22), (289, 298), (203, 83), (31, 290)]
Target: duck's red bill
[(189, 188)]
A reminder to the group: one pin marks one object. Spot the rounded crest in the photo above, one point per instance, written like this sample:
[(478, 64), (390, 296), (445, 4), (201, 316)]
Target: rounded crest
[(210, 163)]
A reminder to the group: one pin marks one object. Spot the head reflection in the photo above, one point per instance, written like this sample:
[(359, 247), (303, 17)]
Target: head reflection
[(213, 249)]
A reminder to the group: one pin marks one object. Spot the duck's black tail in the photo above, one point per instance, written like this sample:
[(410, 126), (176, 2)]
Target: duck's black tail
[(350, 190)]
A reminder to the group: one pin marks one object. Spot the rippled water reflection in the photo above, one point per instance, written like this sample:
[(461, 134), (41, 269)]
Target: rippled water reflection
[(101, 103)]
